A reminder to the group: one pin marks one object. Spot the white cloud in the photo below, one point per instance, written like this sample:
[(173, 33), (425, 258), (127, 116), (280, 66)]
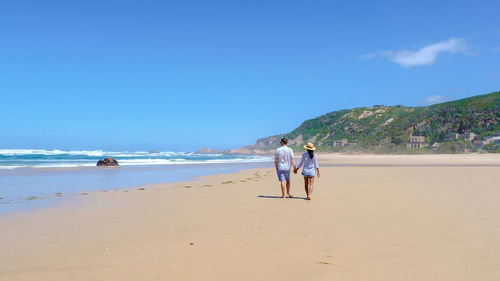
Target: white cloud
[(424, 56), (435, 99)]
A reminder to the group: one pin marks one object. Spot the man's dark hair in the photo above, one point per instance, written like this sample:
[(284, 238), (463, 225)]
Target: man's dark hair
[(284, 140)]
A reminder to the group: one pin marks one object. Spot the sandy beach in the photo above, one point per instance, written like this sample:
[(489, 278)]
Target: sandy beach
[(425, 217)]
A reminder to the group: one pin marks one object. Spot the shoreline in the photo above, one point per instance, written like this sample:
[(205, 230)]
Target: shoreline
[(363, 223), (337, 160), (328, 155), (48, 185), (76, 200)]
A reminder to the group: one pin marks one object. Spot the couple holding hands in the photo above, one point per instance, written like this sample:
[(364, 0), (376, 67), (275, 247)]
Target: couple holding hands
[(283, 160)]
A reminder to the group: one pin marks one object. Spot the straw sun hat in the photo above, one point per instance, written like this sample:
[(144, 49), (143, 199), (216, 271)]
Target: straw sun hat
[(309, 146)]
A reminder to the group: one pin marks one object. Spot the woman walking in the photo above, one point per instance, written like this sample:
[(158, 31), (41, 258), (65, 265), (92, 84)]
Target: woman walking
[(311, 169)]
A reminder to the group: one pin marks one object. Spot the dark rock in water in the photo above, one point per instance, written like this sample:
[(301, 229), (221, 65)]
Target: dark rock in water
[(107, 162), (154, 151)]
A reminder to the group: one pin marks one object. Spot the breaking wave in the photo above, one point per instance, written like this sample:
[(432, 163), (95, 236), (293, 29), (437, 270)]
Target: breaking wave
[(39, 158)]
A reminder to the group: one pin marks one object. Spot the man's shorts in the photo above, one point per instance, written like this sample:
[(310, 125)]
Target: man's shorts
[(283, 175)]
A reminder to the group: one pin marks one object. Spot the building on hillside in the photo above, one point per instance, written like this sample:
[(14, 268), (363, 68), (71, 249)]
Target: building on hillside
[(416, 141), (481, 143), (468, 136), (495, 140), (341, 143)]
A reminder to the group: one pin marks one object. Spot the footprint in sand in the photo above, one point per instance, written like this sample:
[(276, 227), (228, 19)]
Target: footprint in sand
[(328, 263)]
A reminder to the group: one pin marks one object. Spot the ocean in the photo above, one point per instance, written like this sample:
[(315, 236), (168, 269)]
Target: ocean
[(34, 158), (32, 178)]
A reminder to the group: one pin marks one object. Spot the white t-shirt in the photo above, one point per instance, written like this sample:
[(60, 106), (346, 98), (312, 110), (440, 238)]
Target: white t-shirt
[(284, 154)]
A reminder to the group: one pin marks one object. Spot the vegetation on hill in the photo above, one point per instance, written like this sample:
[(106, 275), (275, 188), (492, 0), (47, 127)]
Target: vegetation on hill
[(387, 129)]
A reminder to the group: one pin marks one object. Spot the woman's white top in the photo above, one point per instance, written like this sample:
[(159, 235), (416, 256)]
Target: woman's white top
[(309, 164)]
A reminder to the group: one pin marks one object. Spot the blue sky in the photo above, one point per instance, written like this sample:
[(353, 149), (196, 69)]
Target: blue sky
[(179, 75)]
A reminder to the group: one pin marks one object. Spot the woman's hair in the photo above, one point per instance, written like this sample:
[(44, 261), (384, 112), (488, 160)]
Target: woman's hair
[(311, 153)]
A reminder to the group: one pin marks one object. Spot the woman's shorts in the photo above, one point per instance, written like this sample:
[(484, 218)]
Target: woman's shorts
[(309, 174)]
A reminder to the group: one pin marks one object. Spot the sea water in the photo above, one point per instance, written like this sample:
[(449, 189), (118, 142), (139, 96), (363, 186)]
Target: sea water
[(34, 158)]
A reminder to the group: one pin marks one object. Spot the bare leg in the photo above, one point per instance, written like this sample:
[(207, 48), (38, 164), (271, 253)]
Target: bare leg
[(306, 186), (288, 189), (311, 186), (282, 189)]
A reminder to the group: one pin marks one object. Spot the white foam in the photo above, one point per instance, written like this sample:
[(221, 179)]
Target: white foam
[(62, 165), (144, 162), (17, 152), (85, 158), (139, 162), (8, 167), (98, 153)]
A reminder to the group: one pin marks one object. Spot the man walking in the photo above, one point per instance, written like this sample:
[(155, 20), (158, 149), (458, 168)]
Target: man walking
[(283, 160)]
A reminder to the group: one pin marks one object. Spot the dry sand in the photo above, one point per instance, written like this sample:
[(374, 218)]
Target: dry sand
[(415, 218)]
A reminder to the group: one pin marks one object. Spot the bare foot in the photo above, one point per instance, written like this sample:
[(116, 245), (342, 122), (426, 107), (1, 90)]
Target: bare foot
[(308, 197), (290, 196), (282, 196)]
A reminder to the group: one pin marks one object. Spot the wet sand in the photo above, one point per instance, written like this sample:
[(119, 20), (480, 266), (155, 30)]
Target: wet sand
[(29, 188), (370, 218)]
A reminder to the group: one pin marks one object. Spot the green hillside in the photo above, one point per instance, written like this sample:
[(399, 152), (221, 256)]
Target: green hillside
[(387, 129)]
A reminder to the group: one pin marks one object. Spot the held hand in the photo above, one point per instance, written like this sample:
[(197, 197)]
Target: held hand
[(318, 175)]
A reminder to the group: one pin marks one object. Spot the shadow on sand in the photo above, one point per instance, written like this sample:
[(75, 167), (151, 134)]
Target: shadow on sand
[(279, 197)]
